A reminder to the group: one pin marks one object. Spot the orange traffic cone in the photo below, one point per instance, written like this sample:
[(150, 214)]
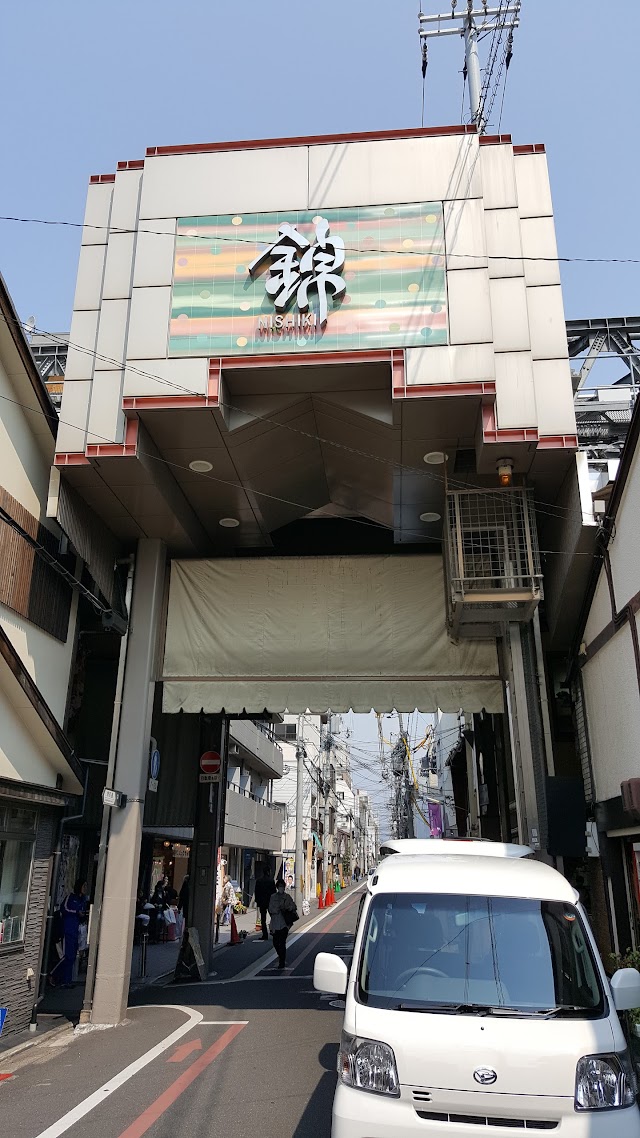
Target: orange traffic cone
[(327, 898), (235, 939), (320, 901)]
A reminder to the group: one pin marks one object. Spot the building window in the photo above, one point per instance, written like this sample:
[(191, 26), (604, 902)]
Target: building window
[(286, 731), (17, 833)]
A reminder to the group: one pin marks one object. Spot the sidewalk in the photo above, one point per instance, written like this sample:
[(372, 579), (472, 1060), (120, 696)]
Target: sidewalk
[(60, 1005)]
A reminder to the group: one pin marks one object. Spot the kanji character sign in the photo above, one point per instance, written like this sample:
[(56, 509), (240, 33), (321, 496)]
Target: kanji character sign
[(299, 265)]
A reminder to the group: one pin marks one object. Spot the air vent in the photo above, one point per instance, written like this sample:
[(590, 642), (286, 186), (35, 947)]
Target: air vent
[(465, 462), (529, 1125)]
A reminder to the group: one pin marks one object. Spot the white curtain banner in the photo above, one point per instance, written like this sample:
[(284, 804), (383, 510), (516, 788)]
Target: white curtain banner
[(298, 633)]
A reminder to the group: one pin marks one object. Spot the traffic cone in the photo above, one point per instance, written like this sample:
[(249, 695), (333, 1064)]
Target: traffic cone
[(327, 898), (320, 901), (235, 939)]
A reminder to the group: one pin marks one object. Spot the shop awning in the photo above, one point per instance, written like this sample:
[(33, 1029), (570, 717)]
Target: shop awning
[(312, 633)]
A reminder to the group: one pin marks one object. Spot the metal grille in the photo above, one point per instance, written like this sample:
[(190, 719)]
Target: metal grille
[(582, 738), (492, 554)]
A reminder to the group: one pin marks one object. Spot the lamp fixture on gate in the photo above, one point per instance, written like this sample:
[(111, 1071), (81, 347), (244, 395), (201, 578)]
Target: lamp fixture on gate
[(505, 471)]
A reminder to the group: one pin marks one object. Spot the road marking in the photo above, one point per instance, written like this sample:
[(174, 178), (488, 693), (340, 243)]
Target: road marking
[(146, 1120), (305, 952), (87, 1105), (184, 1051), (222, 1023), (267, 960)]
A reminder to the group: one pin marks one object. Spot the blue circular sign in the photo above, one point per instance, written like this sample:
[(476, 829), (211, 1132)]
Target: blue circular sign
[(155, 764)]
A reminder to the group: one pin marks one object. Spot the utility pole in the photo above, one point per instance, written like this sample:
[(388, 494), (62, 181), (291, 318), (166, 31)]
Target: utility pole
[(300, 873), (468, 24), (326, 778)]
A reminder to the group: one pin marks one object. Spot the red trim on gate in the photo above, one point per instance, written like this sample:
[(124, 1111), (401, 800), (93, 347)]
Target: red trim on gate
[(311, 140), (491, 433), (302, 359), (495, 139), (163, 402), (70, 458), (132, 164), (95, 179), (127, 449), (530, 148), (485, 387), (558, 442)]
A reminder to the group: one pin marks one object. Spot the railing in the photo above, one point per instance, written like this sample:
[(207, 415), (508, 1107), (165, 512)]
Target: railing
[(267, 729), (249, 794)]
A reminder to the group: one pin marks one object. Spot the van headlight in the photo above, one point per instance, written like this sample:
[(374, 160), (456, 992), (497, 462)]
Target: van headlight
[(368, 1065), (604, 1082)]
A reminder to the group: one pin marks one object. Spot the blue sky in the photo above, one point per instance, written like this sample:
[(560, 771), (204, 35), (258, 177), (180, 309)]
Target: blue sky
[(86, 85)]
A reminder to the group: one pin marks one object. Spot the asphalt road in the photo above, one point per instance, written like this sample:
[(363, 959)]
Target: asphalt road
[(250, 1054)]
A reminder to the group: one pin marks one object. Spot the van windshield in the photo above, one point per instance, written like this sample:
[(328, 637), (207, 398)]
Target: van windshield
[(491, 955)]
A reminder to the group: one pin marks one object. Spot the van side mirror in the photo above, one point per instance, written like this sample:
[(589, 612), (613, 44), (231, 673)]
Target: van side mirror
[(330, 974), (625, 985)]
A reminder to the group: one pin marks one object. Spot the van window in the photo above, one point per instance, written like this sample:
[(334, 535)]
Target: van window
[(443, 951)]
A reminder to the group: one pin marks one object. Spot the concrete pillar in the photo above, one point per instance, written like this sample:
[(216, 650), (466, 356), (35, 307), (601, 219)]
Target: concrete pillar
[(113, 969), (208, 836), (521, 747)]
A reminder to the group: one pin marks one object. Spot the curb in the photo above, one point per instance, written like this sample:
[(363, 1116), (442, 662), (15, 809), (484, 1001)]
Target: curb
[(12, 1052)]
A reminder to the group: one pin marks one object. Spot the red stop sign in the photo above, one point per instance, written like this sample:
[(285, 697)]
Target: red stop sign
[(210, 762)]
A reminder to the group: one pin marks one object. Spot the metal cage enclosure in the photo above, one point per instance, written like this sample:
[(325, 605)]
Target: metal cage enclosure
[(492, 559)]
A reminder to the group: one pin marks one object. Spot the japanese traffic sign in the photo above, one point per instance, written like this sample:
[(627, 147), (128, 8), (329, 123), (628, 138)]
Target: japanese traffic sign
[(210, 767)]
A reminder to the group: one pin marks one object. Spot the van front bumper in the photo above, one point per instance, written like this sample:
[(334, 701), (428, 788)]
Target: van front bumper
[(357, 1114)]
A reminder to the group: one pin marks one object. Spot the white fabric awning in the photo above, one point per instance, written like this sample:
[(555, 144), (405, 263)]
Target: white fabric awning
[(298, 633)]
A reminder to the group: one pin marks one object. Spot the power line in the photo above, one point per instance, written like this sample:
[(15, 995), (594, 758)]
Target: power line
[(351, 249), (552, 510)]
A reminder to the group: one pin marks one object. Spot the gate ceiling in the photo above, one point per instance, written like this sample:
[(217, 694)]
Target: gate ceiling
[(298, 633)]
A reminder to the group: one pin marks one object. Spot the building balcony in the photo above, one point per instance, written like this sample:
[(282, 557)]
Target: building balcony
[(250, 822), (255, 748)]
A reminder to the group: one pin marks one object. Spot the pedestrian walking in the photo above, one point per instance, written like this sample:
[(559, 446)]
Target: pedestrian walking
[(228, 900), (73, 910), (159, 902), (356, 874), (264, 890), (283, 913), (183, 897)]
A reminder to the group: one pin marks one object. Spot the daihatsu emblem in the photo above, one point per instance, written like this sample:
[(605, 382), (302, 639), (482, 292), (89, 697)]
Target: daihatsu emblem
[(485, 1076)]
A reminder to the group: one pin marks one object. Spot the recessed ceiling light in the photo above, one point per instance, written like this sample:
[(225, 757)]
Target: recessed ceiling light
[(200, 465), (430, 516), (435, 457), (229, 523)]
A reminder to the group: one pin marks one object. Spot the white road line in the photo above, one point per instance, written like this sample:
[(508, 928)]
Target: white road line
[(87, 1105), (265, 961), (221, 1022)]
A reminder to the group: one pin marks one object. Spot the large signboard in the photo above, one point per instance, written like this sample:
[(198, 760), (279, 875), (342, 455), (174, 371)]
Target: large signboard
[(360, 278)]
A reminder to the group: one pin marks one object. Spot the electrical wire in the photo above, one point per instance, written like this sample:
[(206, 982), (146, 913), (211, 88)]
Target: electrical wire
[(543, 508), (349, 248)]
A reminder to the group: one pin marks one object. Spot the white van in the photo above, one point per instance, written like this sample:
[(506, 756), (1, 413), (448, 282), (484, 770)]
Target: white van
[(477, 1003)]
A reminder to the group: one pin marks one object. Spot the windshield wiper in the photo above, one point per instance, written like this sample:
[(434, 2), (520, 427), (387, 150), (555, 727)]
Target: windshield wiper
[(493, 1010), (566, 1010), (446, 1009)]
